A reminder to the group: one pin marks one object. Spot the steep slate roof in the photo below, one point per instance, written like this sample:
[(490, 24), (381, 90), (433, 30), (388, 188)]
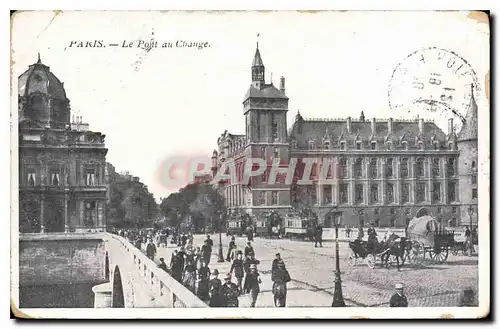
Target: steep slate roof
[(257, 60), (469, 128), (48, 83), (316, 129), (267, 91)]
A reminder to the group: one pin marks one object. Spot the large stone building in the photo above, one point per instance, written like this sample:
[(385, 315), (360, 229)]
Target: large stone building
[(384, 171), (62, 176)]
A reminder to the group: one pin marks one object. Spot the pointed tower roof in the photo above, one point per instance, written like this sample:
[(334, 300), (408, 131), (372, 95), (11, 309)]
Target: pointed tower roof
[(257, 60), (469, 128)]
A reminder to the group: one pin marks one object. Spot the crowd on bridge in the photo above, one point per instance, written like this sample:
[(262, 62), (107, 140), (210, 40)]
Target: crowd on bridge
[(190, 266)]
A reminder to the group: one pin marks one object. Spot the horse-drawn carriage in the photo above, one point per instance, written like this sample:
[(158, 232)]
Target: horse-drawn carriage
[(427, 237), (386, 252)]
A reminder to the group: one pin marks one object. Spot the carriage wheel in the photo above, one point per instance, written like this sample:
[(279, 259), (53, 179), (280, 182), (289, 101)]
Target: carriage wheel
[(370, 261), (416, 253), (391, 261), (351, 259), (455, 250), (439, 255)]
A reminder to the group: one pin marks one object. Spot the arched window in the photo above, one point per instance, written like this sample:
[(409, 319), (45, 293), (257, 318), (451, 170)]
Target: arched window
[(294, 144), (311, 145)]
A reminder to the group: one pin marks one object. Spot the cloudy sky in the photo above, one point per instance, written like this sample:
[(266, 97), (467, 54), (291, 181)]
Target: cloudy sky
[(156, 104)]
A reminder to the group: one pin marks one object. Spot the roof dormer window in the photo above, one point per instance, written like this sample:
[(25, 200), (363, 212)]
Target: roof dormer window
[(404, 144), (373, 145), (389, 145), (358, 145), (311, 145), (327, 145), (342, 146)]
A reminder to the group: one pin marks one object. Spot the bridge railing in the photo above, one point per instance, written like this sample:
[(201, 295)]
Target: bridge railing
[(166, 291)]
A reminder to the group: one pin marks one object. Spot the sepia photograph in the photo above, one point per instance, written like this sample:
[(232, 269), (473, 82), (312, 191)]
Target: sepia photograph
[(250, 164)]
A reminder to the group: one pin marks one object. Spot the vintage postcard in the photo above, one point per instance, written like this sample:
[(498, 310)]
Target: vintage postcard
[(246, 164)]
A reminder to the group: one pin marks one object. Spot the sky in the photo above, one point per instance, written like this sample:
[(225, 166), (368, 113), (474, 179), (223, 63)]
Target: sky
[(165, 102)]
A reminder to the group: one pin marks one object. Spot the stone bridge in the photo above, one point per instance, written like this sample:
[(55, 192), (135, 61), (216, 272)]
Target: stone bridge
[(119, 275)]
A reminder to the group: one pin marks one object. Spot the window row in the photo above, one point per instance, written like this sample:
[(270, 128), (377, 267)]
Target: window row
[(373, 145), (263, 198), (55, 177)]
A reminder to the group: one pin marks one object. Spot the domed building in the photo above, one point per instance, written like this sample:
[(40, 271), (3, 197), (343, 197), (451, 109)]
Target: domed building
[(62, 180)]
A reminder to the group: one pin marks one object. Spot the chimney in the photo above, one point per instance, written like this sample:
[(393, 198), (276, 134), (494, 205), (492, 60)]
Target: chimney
[(390, 125), (421, 126), (374, 131), (282, 84), (349, 125), (450, 126)]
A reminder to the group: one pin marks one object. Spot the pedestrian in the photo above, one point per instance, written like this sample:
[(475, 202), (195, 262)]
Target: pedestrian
[(229, 292), (209, 242), (189, 277), (361, 233), (197, 257), (175, 266), (181, 255), (399, 298), (249, 261), (183, 240), (348, 232), (215, 290), (249, 249), (206, 252), (318, 236), (203, 282), (280, 277), (162, 264), (150, 249), (138, 243), (252, 282), (372, 238), (237, 267), (249, 233), (232, 246)]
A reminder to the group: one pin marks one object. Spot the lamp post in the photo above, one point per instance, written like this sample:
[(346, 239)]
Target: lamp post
[(338, 299), (471, 246), (221, 252)]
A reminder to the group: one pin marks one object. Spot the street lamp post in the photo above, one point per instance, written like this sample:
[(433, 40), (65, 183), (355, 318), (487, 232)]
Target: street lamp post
[(471, 246), (338, 299), (221, 252)]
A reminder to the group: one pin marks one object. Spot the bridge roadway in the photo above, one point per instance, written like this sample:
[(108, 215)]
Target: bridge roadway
[(312, 271)]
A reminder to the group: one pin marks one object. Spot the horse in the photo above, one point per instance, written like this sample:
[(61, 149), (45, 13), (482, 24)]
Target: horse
[(395, 246), (279, 292)]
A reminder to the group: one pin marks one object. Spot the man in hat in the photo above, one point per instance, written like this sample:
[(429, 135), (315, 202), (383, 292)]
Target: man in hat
[(249, 249), (232, 246), (209, 242), (238, 269), (372, 238), (206, 252), (252, 282), (215, 290), (280, 277), (229, 292), (399, 298), (150, 249)]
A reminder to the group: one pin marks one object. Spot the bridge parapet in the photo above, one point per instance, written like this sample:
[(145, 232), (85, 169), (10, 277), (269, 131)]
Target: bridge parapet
[(144, 284)]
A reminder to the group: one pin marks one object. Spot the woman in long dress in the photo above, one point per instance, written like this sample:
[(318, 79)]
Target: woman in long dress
[(189, 279), (203, 282)]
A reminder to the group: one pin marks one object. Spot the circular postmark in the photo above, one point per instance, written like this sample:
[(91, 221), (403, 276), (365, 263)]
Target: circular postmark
[(434, 83)]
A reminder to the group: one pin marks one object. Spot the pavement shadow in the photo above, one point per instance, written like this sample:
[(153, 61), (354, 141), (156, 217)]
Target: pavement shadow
[(463, 262)]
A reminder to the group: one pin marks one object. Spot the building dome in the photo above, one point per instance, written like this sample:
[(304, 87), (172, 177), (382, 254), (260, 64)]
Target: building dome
[(38, 78)]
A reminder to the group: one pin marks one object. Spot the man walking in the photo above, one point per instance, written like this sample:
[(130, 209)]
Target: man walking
[(280, 277), (249, 250), (150, 249), (399, 298), (237, 267), (229, 292), (206, 251), (318, 236), (252, 282)]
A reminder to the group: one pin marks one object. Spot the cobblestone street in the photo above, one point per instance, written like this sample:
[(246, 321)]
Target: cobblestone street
[(312, 271)]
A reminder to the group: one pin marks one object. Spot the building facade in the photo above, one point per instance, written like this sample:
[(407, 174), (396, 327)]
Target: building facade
[(381, 171), (62, 164)]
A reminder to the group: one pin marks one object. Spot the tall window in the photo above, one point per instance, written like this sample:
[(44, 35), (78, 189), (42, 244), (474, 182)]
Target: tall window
[(358, 145), (436, 192), (358, 168), (405, 193), (274, 196), (263, 151), (451, 191), (90, 213), (420, 192), (436, 145), (435, 167), (373, 145), (90, 177), (404, 168), (358, 193), (373, 168), (390, 193), (275, 131), (388, 168), (420, 146), (404, 144), (343, 193), (374, 193), (31, 178), (327, 194), (311, 145), (343, 168), (55, 178), (342, 146), (420, 167), (473, 164), (262, 198), (474, 179), (276, 152), (474, 193), (389, 146), (450, 167)]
